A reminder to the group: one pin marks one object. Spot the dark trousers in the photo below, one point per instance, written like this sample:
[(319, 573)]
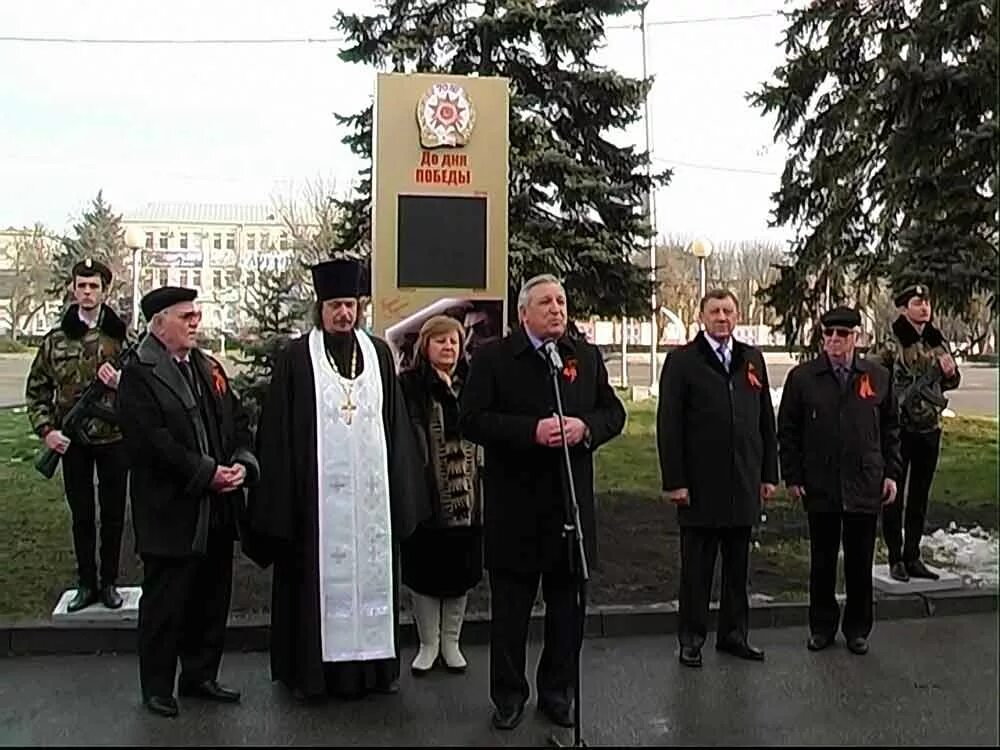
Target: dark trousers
[(699, 547), (826, 531), (182, 614), (512, 596), (78, 477), (920, 452)]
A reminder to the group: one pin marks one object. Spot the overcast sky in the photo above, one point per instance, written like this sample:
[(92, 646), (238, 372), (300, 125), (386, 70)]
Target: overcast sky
[(243, 123)]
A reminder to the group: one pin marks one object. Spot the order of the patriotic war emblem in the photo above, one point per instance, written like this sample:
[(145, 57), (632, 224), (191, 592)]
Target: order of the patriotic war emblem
[(446, 116)]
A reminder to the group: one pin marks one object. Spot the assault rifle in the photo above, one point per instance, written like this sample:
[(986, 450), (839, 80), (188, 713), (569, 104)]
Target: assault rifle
[(922, 387), (88, 406)]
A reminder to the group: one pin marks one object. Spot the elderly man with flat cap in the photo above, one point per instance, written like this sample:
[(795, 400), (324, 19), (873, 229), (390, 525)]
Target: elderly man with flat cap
[(86, 344), (838, 438), (916, 351), (188, 441)]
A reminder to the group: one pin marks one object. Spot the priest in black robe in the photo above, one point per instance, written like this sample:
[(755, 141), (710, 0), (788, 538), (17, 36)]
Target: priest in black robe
[(341, 486)]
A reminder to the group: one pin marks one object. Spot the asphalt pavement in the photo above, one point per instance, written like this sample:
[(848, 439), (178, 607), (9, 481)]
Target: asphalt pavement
[(931, 681)]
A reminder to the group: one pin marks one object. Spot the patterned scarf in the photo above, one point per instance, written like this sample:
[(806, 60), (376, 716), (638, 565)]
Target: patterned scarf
[(455, 469)]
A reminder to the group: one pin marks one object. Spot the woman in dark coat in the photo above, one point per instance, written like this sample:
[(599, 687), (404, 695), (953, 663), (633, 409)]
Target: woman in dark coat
[(443, 559)]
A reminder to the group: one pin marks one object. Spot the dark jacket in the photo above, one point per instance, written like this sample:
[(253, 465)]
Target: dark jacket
[(422, 387), (715, 433), (508, 391), (839, 443), (170, 453)]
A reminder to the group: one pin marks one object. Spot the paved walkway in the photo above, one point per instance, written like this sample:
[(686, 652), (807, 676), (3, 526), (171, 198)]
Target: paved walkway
[(925, 682)]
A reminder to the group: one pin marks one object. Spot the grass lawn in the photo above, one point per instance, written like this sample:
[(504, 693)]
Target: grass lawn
[(966, 476), (638, 544)]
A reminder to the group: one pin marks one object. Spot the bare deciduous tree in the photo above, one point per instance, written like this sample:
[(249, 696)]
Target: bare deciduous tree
[(28, 258)]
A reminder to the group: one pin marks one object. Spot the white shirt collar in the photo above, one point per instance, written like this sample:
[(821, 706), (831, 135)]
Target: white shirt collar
[(88, 323)]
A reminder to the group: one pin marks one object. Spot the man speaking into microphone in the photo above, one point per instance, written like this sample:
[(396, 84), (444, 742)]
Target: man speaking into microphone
[(509, 407)]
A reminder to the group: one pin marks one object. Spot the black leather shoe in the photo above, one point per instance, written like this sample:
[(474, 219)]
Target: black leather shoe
[(897, 571), (559, 714), (209, 690), (85, 596), (819, 642), (508, 718), (858, 645), (690, 656), (161, 706), (110, 597), (917, 569), (741, 649)]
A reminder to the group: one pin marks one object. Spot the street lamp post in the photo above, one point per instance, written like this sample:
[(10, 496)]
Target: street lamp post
[(701, 249), (135, 239), (650, 217)]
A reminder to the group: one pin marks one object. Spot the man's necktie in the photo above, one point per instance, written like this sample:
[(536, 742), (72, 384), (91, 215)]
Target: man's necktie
[(842, 375), (188, 374), (723, 353)]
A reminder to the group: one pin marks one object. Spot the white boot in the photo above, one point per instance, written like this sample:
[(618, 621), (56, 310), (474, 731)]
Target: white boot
[(452, 615), (427, 616)]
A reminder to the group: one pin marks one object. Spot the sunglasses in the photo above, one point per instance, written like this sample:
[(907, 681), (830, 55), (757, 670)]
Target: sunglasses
[(842, 333)]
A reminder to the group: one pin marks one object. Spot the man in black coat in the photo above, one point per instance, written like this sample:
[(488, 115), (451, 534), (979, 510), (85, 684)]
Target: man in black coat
[(188, 441), (508, 407), (838, 432), (718, 457)]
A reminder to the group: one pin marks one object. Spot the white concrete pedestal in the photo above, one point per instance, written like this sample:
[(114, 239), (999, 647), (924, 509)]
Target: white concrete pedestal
[(885, 583), (98, 614)]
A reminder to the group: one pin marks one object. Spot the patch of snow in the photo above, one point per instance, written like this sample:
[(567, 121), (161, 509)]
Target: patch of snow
[(972, 553)]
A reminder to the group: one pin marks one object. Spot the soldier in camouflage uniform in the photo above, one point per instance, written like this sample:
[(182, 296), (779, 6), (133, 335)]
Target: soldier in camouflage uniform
[(914, 348), (68, 359)]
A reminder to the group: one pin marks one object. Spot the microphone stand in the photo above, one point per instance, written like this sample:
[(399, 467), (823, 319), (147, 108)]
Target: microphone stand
[(577, 554)]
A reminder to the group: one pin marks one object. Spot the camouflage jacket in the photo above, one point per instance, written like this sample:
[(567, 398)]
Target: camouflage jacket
[(907, 355), (66, 363)]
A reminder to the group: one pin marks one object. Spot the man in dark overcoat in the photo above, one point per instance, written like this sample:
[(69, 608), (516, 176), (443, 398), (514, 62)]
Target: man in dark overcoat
[(838, 432), (509, 407), (188, 442), (718, 457)]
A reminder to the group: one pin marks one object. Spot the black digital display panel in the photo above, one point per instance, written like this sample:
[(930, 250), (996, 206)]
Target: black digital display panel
[(441, 241)]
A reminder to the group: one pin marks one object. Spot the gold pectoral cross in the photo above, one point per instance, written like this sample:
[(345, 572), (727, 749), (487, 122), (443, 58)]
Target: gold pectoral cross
[(347, 409)]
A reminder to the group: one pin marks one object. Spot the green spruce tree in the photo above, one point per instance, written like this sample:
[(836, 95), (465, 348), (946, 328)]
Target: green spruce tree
[(576, 203), (889, 111), (274, 310), (99, 234)]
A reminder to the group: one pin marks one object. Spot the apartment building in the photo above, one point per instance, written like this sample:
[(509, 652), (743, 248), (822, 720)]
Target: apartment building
[(218, 249)]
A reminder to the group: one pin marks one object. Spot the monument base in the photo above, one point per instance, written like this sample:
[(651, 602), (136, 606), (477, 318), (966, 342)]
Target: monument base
[(885, 583), (98, 614)]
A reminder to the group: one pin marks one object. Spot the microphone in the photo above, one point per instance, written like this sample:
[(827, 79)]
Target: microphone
[(552, 355)]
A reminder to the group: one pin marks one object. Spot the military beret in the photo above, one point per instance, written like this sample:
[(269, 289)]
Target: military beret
[(842, 317), (162, 298), (92, 267), (915, 290)]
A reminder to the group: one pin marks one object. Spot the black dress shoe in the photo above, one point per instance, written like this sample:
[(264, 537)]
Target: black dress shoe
[(209, 690), (508, 718), (559, 714), (84, 597), (110, 597), (819, 642), (858, 645), (690, 656), (741, 649), (917, 569), (161, 706), (897, 571)]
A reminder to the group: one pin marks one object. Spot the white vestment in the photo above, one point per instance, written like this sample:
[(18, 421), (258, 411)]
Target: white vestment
[(355, 531)]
